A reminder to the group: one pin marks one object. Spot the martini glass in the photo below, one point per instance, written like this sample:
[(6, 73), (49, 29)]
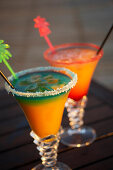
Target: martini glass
[(42, 93), (80, 58)]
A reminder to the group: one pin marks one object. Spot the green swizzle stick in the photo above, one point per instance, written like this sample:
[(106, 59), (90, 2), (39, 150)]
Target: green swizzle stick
[(5, 55)]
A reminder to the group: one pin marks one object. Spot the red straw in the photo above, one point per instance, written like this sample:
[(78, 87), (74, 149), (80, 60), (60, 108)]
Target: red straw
[(42, 25)]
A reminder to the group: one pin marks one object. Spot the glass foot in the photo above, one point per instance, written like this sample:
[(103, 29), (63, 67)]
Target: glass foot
[(78, 137), (59, 166)]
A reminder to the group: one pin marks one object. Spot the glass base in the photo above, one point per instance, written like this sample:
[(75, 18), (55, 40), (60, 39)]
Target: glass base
[(78, 137), (59, 166)]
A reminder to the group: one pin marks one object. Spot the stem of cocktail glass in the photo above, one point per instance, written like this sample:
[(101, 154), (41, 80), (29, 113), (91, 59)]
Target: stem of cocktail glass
[(75, 111), (47, 147)]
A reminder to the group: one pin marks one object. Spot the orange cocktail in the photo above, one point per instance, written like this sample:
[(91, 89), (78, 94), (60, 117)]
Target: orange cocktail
[(42, 95), (82, 59), (79, 58), (45, 116)]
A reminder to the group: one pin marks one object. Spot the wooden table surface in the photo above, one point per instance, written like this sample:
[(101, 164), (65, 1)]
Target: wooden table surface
[(17, 150)]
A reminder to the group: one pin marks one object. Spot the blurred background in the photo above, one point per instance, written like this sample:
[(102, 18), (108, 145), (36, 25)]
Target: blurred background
[(70, 21)]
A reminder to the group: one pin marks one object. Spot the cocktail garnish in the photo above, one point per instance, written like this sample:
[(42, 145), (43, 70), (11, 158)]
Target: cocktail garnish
[(35, 78), (31, 88), (5, 55), (50, 79), (25, 83), (42, 25), (38, 88)]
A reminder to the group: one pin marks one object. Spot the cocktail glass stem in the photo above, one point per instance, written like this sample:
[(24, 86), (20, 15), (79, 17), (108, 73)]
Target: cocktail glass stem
[(48, 147), (77, 135), (75, 111)]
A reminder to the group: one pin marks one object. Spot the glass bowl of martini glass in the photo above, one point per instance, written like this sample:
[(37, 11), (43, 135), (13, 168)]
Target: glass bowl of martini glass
[(42, 93), (80, 58)]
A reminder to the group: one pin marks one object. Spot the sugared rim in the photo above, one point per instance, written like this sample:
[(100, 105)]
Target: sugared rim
[(67, 45), (65, 88)]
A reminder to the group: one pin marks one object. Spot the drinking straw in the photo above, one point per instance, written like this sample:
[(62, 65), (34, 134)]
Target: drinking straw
[(105, 39), (5, 55), (42, 26), (4, 77)]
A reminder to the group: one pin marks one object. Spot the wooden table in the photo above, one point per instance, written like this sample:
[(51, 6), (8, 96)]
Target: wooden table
[(17, 150)]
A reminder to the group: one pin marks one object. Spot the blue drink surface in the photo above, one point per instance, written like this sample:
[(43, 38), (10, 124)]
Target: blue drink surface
[(40, 81)]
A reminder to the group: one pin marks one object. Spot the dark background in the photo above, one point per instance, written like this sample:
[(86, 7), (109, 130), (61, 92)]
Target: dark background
[(70, 21)]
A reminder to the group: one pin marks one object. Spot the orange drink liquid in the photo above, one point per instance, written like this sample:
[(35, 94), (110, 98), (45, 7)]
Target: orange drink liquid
[(80, 58), (42, 94), (45, 116)]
